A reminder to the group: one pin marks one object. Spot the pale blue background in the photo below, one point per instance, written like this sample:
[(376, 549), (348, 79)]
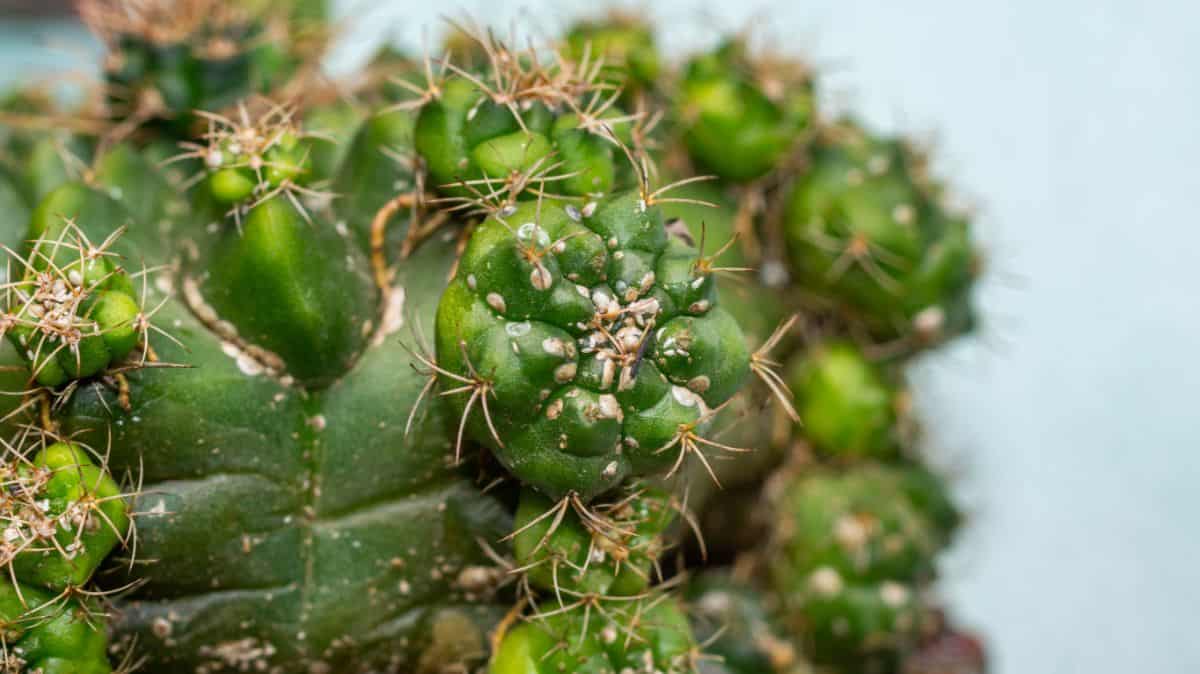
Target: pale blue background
[(1071, 421)]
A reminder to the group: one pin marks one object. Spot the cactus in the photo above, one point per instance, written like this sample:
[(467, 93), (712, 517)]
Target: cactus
[(867, 225), (168, 59), (624, 43), (848, 408), (522, 127), (225, 280), (741, 117), (609, 325), (62, 514)]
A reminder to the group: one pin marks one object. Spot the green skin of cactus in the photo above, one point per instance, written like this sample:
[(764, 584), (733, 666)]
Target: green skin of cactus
[(52, 637), (630, 636), (855, 551), (520, 312), (465, 136), (630, 55), (74, 477), (730, 126), (108, 311), (849, 410), (574, 560), (864, 189), (291, 520)]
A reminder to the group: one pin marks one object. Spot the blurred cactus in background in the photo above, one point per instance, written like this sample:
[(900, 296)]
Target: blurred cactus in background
[(526, 360)]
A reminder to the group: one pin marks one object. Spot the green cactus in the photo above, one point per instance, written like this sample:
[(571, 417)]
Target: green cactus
[(615, 552), (169, 59), (866, 225), (74, 313), (737, 621), (644, 634), (624, 44), (850, 410), (61, 515), (589, 341), (741, 117), (42, 634), (231, 294), (853, 555), (521, 128)]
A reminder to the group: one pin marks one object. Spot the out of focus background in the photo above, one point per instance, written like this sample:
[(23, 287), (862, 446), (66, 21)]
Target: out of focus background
[(1070, 421)]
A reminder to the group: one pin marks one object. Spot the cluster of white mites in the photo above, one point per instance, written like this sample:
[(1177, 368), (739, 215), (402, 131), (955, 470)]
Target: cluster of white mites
[(49, 298)]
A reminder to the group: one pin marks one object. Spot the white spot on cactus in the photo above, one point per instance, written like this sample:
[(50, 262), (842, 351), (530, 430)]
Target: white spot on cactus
[(685, 397), (825, 581), (589, 209), (317, 423), (610, 471), (554, 409), (699, 384), (554, 346), (700, 306), (472, 283), (565, 372), (573, 213), (929, 322), (531, 231), (393, 315), (495, 301), (904, 214), (161, 627), (774, 273), (893, 594), (610, 408), (851, 532), (518, 329), (540, 278), (878, 164)]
